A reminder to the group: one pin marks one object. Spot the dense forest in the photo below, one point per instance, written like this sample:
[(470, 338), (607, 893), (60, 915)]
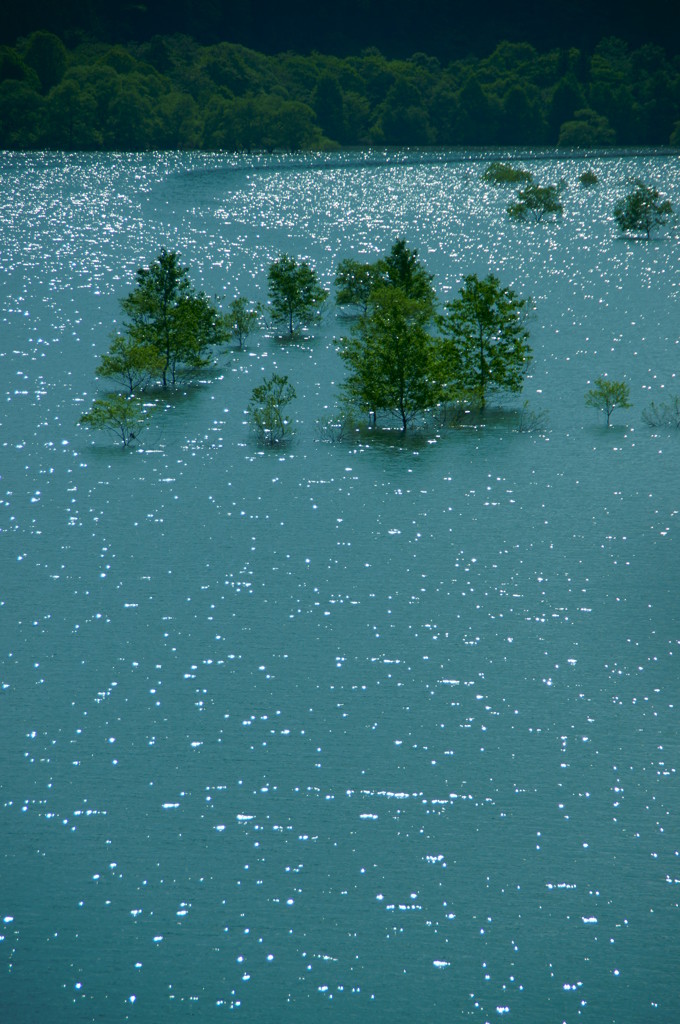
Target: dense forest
[(171, 92)]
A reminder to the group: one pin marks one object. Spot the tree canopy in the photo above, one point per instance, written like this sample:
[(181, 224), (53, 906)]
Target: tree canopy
[(391, 357), (608, 395), (295, 295), (642, 210), (535, 203), (486, 338), (171, 92), (267, 407), (169, 328)]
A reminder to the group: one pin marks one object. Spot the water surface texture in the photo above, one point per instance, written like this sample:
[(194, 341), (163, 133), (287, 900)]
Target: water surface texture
[(383, 731)]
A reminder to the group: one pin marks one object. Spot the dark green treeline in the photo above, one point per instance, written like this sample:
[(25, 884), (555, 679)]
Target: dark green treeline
[(172, 93)]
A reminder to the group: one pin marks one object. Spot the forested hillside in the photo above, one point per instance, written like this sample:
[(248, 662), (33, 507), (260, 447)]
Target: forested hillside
[(172, 92)]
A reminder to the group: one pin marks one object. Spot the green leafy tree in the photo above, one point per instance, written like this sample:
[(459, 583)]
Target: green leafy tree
[(498, 173), (402, 269), (642, 210), (486, 339), (166, 319), (329, 107), (608, 395), (354, 283), (124, 416), (295, 293), (267, 407), (536, 203), (22, 115), (241, 320), (587, 128), (391, 357), (588, 179), (132, 364), (46, 54)]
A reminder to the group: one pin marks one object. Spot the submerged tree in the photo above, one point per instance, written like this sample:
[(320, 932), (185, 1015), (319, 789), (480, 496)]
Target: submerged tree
[(608, 395), (295, 293), (642, 209), (588, 179), (169, 328), (354, 283), (131, 363), (498, 173), (241, 320), (124, 416), (267, 409), (536, 203), (391, 357), (400, 268), (665, 414), (486, 339)]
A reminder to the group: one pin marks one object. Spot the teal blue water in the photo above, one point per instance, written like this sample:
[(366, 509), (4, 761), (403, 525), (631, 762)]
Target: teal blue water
[(378, 731)]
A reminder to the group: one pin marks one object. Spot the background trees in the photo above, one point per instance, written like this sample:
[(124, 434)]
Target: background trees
[(67, 93)]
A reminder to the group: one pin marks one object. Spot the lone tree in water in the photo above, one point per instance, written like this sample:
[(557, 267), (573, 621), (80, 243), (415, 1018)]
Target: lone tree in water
[(240, 320), (295, 293), (485, 339), (392, 358), (267, 404), (608, 395), (642, 210), (124, 416), (169, 328), (536, 203)]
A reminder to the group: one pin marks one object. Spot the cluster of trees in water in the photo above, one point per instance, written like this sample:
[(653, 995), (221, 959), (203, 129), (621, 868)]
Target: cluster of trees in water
[(172, 93), (406, 357)]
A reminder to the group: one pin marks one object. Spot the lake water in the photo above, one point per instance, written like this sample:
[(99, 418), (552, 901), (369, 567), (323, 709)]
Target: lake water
[(379, 731)]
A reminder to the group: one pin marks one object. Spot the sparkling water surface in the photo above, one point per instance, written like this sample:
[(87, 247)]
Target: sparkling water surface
[(378, 731)]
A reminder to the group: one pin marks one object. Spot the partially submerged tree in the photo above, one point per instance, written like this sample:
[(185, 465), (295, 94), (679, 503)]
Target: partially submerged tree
[(241, 319), (169, 328), (588, 179), (354, 283), (391, 357), (267, 406), (499, 173), (665, 414), (536, 203), (132, 364), (608, 395), (485, 338), (400, 268), (642, 210), (295, 293), (124, 416)]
